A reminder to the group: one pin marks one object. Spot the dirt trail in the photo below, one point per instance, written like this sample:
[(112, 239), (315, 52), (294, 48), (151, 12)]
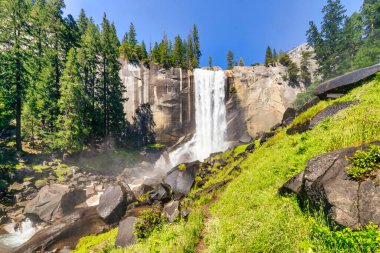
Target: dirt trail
[(201, 246)]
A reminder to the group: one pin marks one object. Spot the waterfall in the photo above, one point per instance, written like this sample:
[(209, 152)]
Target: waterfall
[(210, 119)]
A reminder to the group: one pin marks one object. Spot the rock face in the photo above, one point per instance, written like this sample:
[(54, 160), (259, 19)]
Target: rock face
[(262, 97), (113, 203), (170, 94), (325, 184), (346, 82), (125, 233), (263, 94), (54, 201), (181, 180)]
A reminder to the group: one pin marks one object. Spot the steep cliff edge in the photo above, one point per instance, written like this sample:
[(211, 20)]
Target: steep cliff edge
[(263, 93)]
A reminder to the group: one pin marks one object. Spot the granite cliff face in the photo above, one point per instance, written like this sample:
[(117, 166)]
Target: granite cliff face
[(262, 96), (170, 94)]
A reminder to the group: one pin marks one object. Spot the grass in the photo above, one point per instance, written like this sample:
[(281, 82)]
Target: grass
[(96, 243), (250, 216), (155, 145), (169, 238)]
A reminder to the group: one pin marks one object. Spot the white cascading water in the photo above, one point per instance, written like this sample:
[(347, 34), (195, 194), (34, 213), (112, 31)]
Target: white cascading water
[(17, 237), (210, 116)]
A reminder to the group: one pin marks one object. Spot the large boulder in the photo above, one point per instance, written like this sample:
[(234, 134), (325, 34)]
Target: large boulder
[(54, 201), (113, 203), (325, 185), (181, 178), (342, 84), (125, 233)]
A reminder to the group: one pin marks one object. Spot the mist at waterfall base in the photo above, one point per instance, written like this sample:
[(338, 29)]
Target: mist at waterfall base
[(210, 117)]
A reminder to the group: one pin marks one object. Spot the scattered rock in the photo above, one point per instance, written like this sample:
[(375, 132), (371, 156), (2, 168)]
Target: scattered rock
[(293, 185), (140, 190), (328, 112), (161, 193), (125, 234), (288, 116), (53, 202), (171, 211), (16, 187), (299, 128), (181, 181), (113, 203)]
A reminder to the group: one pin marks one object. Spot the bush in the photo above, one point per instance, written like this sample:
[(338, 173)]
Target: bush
[(364, 162), (150, 220), (366, 239)]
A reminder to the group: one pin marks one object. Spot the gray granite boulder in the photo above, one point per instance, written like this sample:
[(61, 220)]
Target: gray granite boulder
[(54, 201)]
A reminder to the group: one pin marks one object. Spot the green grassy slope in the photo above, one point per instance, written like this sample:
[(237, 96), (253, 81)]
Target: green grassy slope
[(249, 215)]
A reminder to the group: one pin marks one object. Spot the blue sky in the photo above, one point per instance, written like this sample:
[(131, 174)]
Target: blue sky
[(246, 27)]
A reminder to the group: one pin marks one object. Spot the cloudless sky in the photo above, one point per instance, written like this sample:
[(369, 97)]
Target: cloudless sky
[(246, 27)]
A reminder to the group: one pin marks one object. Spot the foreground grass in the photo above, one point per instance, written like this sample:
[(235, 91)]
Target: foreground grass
[(250, 216), (178, 237)]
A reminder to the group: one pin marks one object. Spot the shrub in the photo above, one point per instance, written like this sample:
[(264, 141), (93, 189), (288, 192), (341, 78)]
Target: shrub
[(366, 239), (181, 167), (150, 220), (364, 162), (233, 90)]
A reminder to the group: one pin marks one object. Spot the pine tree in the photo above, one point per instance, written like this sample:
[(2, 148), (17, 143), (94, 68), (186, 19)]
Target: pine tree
[(190, 51), (111, 86), (210, 62), (82, 22), (331, 30), (143, 53), (274, 55), (268, 57), (230, 60), (132, 40), (197, 51), (15, 35), (156, 54), (71, 131), (305, 72), (90, 71), (241, 62), (178, 58), (165, 52)]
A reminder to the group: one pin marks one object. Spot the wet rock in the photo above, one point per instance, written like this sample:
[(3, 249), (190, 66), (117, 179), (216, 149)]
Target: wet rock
[(53, 202), (293, 185), (172, 211), (125, 234), (113, 203), (181, 180)]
